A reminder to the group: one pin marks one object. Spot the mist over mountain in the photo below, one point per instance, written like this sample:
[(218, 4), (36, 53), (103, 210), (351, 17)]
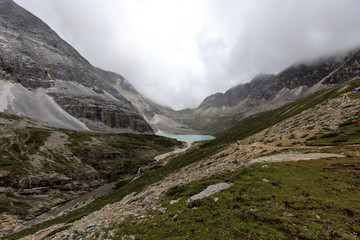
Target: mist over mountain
[(189, 50), (40, 68), (268, 91), (66, 90), (84, 154)]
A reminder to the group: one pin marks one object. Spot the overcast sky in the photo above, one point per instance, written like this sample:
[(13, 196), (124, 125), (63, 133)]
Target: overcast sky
[(177, 52)]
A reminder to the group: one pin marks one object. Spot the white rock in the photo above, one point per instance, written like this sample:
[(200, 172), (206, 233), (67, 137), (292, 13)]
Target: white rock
[(174, 201), (210, 190)]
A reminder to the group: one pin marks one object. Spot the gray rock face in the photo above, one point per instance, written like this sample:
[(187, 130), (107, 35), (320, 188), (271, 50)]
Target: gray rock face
[(160, 118), (266, 91), (32, 54)]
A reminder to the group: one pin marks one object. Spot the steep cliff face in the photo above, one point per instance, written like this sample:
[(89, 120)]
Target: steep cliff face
[(162, 119), (32, 54), (348, 70), (265, 91)]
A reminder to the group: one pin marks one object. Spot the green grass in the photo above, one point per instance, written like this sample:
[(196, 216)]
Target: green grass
[(35, 138), (15, 152), (255, 123), (301, 200), (10, 116), (208, 124), (12, 204), (60, 229)]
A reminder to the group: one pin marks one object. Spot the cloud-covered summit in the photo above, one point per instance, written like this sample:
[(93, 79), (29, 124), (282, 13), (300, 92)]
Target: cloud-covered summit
[(179, 52)]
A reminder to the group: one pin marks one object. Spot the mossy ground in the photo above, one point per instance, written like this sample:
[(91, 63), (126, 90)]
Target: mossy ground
[(316, 199), (15, 152)]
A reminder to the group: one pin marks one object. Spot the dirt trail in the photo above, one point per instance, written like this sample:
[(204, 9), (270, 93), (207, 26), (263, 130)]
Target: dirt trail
[(177, 150), (293, 157)]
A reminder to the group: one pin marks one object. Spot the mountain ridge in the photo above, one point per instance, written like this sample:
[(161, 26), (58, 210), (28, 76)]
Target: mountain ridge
[(33, 55), (248, 98)]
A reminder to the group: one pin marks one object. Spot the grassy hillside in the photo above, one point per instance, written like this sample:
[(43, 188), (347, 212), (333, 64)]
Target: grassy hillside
[(254, 123), (294, 200), (212, 125)]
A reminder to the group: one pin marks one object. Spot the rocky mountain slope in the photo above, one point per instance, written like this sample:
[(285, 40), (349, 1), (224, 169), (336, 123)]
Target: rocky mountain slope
[(42, 166), (316, 128), (268, 91), (37, 66), (160, 118)]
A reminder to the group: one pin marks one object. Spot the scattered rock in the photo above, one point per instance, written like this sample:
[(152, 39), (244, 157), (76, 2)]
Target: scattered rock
[(91, 225), (174, 201), (162, 209), (74, 235), (128, 237), (288, 214), (210, 190)]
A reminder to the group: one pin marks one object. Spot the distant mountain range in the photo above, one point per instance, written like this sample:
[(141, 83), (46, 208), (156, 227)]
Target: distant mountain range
[(43, 77), (268, 91)]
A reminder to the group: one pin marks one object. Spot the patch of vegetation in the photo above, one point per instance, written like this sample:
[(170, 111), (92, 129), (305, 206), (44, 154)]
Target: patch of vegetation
[(13, 205), (346, 123), (329, 135), (15, 150), (305, 135), (348, 133), (122, 183), (208, 124), (311, 138), (310, 127), (60, 229), (175, 190), (283, 207), (10, 116), (35, 138), (255, 123), (292, 136)]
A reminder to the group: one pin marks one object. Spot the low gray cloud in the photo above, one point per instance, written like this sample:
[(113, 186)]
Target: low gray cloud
[(179, 52)]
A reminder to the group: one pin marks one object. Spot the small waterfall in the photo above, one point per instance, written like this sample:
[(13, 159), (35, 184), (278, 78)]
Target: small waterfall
[(139, 170)]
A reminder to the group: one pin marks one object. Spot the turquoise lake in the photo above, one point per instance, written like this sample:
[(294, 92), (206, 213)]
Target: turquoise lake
[(191, 138)]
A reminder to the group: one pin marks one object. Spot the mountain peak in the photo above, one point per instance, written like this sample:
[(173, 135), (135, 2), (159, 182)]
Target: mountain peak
[(32, 54)]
